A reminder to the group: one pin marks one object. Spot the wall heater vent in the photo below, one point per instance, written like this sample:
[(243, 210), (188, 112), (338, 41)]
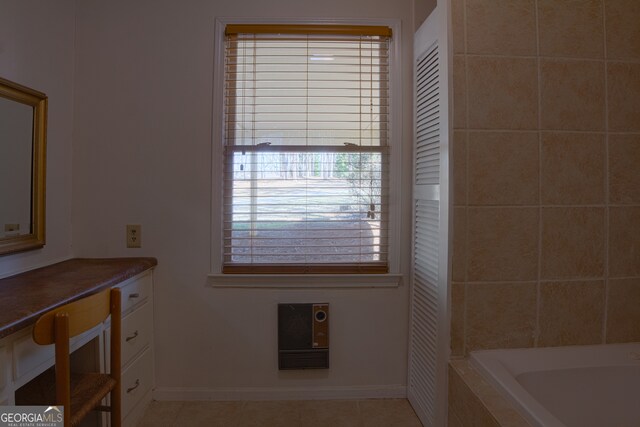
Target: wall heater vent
[(303, 336)]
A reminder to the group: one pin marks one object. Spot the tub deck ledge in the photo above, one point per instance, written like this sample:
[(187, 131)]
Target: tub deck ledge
[(475, 402)]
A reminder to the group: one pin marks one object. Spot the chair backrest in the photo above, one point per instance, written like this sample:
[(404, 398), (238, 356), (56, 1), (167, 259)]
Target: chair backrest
[(83, 315), (60, 324)]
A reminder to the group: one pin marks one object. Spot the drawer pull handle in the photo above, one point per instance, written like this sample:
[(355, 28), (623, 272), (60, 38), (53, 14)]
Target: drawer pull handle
[(129, 390), (132, 337), (132, 296)]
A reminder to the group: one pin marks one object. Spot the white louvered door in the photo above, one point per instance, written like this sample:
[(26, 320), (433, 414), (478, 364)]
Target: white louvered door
[(429, 333)]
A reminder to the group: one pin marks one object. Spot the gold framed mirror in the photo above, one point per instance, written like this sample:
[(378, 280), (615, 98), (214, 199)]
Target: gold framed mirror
[(23, 131)]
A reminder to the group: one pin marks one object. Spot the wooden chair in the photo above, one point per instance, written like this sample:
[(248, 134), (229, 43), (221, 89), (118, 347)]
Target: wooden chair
[(79, 393)]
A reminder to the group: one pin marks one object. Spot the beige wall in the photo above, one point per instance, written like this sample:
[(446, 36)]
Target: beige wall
[(421, 10), (36, 50), (130, 108), (142, 155), (547, 182)]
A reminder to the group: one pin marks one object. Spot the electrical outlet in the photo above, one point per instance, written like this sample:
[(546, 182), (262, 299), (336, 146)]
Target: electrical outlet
[(134, 236)]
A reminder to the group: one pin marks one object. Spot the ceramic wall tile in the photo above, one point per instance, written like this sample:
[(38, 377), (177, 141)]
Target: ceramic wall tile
[(500, 315), (501, 27), (623, 81), (573, 243), (572, 95), (572, 169), (503, 168), (624, 169), (502, 93), (623, 31), (624, 241), (502, 244), (623, 316), (571, 28), (571, 313)]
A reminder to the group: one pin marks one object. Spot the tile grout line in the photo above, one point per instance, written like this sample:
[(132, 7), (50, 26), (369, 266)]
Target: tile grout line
[(550, 280), (465, 288), (536, 333), (553, 58), (550, 131), (554, 206), (607, 199)]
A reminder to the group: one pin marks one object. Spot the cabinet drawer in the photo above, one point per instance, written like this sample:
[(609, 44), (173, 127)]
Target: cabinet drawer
[(136, 291), (27, 356), (137, 380), (136, 332), (31, 358)]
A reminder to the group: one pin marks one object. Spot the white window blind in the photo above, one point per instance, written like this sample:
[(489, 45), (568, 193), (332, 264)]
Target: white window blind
[(306, 149)]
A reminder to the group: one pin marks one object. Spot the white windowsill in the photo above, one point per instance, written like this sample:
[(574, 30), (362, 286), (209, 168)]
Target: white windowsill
[(305, 281)]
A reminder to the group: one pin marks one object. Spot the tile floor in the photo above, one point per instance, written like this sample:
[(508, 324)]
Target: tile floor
[(305, 413)]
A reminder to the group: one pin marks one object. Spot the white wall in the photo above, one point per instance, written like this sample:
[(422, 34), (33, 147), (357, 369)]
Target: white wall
[(142, 150), (37, 50), (421, 10)]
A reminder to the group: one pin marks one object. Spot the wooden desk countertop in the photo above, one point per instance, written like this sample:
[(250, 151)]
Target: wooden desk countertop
[(26, 296)]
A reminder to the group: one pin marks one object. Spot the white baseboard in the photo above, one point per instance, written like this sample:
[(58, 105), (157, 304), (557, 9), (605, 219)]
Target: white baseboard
[(266, 393)]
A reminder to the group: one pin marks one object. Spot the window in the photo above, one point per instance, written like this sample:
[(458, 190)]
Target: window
[(306, 149)]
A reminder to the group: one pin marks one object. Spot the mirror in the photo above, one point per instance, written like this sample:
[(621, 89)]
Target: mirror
[(23, 128)]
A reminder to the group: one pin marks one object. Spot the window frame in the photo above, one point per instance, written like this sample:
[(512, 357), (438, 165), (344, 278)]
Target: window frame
[(393, 277)]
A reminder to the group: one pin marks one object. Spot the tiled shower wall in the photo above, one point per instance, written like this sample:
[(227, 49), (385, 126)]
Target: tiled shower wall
[(546, 161)]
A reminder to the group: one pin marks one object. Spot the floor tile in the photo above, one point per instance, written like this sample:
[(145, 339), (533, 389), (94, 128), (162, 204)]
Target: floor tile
[(330, 413), (210, 414), (295, 413), (161, 414), (388, 413), (270, 414)]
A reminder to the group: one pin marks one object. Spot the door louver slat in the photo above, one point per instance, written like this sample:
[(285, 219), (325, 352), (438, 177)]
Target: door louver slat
[(429, 331)]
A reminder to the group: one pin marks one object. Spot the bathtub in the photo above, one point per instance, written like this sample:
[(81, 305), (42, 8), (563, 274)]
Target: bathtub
[(580, 386)]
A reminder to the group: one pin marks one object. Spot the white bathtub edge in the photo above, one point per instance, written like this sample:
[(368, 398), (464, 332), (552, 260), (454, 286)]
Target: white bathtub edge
[(501, 367), (493, 370)]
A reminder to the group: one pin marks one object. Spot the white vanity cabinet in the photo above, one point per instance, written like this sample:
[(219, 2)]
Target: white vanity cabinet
[(38, 291), (137, 347)]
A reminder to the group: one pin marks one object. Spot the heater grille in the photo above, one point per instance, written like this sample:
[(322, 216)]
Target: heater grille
[(303, 336)]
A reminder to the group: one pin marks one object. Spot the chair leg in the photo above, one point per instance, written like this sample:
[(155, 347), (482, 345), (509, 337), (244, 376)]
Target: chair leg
[(116, 357), (116, 410), (63, 368)]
